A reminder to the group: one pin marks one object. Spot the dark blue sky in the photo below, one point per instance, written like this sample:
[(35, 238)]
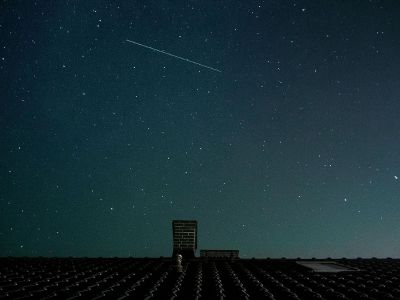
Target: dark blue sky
[(292, 150)]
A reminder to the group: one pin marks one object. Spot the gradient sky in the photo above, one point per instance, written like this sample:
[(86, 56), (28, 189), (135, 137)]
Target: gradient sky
[(293, 150)]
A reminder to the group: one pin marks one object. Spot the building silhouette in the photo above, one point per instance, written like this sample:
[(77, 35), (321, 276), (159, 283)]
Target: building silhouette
[(224, 254), (184, 238)]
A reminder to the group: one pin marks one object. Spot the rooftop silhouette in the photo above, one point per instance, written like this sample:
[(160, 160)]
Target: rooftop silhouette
[(157, 278)]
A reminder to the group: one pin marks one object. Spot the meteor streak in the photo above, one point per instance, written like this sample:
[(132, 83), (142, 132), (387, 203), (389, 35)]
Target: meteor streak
[(173, 55)]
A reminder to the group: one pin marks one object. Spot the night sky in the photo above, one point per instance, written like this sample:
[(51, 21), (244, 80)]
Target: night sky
[(292, 150)]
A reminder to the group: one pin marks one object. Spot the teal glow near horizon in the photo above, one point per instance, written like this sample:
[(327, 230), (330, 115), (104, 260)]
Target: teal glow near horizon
[(292, 150)]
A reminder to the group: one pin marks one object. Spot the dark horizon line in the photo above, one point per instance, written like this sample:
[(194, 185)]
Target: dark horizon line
[(205, 258)]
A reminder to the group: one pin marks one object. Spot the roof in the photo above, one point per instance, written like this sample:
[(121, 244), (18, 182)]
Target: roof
[(148, 278)]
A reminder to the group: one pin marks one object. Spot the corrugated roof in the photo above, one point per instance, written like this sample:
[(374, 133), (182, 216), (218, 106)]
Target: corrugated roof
[(157, 278)]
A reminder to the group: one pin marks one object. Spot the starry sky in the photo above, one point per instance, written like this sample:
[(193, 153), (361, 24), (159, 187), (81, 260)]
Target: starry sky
[(292, 150)]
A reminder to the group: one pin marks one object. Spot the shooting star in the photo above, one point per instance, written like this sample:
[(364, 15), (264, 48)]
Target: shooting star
[(173, 55)]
